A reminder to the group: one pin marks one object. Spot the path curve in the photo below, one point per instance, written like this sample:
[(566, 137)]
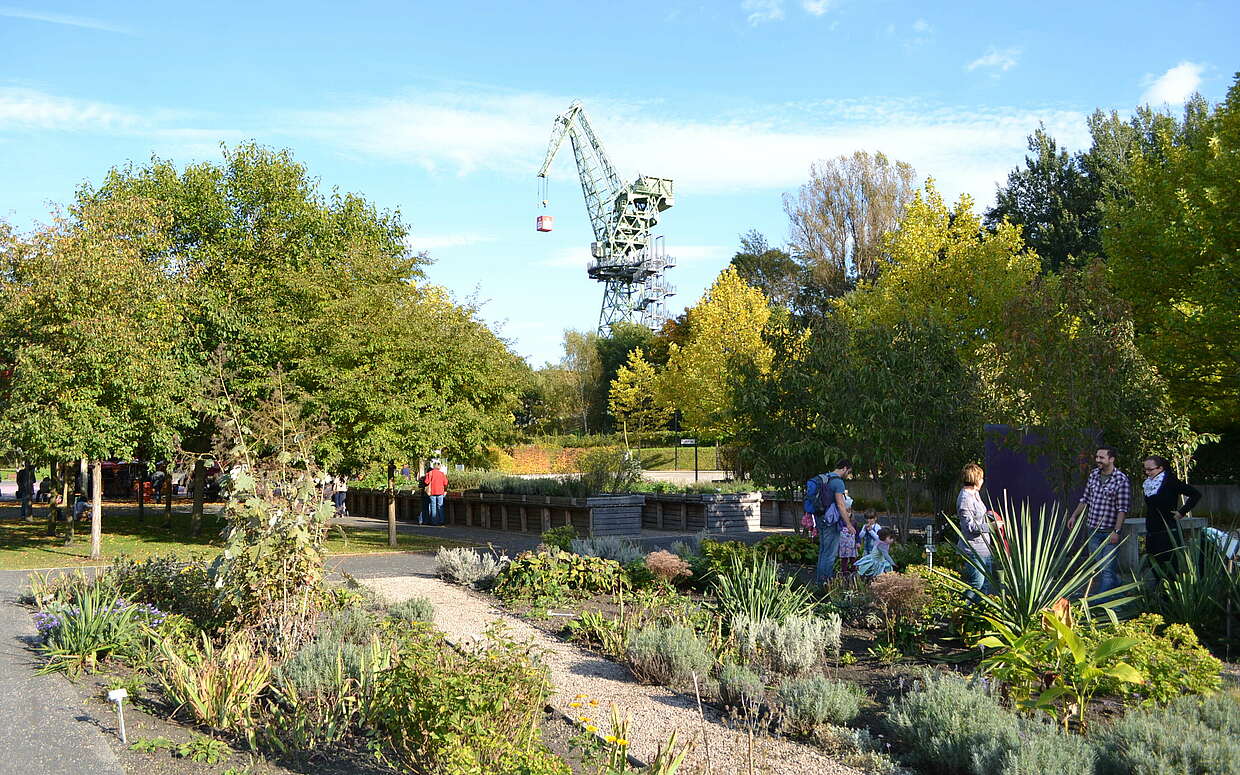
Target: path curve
[(463, 614)]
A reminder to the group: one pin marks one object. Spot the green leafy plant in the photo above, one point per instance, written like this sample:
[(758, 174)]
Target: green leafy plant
[(415, 609), (668, 654), (601, 632), (1197, 586), (1078, 668), (556, 575), (1039, 567), (560, 537), (795, 549), (204, 750), (1049, 750), (806, 703), (754, 587), (1172, 660), (174, 585), (151, 744), (741, 689), (76, 637), (217, 686)]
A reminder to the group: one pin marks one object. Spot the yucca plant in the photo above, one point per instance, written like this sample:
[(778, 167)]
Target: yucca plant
[(753, 586), (1041, 562), (218, 686), (98, 625), (1195, 586)]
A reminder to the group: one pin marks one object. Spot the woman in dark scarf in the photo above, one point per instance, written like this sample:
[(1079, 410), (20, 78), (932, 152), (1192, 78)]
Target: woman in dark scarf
[(1162, 506)]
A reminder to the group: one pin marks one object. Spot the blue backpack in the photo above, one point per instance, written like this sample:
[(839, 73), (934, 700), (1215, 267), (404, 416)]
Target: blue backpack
[(825, 500)]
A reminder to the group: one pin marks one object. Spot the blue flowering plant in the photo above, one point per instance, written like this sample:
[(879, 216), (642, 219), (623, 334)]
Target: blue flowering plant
[(97, 624)]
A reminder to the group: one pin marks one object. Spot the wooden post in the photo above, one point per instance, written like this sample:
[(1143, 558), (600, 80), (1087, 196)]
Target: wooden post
[(200, 483), (96, 510)]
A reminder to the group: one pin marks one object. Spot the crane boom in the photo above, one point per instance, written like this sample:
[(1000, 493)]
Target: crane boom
[(625, 257)]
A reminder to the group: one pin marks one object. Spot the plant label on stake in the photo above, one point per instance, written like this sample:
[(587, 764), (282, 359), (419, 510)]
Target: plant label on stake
[(930, 546), (118, 696)]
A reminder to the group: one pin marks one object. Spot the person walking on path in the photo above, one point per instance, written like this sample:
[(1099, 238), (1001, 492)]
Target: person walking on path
[(1162, 490), (25, 490), (1106, 500), (436, 487), (975, 539), (826, 500)]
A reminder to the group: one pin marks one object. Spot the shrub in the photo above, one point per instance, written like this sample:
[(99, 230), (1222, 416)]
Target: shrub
[(1191, 735), (691, 545), (1198, 586), (609, 548), (321, 667), (953, 727), (943, 599), (667, 567), (555, 574), (561, 537), (350, 625), (800, 550), (1048, 750), (792, 646), (754, 587), (438, 710), (718, 555), (741, 688), (217, 686), (468, 567), (415, 609), (668, 654), (901, 596), (177, 586), (1170, 658), (806, 703)]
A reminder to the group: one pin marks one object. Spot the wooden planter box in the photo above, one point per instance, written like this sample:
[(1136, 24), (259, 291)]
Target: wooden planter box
[(778, 510), (719, 513), (603, 515)]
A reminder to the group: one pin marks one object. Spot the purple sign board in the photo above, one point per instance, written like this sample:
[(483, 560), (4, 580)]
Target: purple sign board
[(1015, 475)]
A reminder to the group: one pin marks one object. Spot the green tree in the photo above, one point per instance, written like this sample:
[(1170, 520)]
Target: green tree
[(633, 398), (92, 328), (771, 270), (1054, 201), (725, 331), (1173, 247)]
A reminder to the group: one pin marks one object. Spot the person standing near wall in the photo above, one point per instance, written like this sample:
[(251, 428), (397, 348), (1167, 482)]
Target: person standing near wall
[(825, 498), (1162, 491), (1108, 493), (436, 488), (25, 490)]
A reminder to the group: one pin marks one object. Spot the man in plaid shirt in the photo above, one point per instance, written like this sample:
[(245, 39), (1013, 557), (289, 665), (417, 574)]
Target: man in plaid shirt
[(1107, 496)]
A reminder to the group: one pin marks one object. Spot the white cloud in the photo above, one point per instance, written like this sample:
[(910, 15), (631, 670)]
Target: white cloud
[(421, 242), (816, 7), (922, 26), (65, 19), (30, 109), (761, 11), (995, 59), (1174, 86), (968, 149)]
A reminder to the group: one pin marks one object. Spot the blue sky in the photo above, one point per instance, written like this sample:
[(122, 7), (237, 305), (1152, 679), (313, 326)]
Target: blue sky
[(443, 110)]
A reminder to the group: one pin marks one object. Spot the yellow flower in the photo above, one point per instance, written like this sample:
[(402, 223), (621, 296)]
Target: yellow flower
[(610, 738), (620, 741), (591, 728), (594, 703), (574, 704), (584, 719)]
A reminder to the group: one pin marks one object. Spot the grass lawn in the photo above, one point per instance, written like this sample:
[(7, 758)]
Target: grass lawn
[(679, 458), (25, 545)]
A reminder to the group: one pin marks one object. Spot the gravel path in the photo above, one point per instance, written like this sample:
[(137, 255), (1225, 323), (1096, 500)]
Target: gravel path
[(655, 711)]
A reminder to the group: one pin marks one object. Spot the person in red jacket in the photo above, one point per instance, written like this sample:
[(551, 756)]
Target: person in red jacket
[(436, 485)]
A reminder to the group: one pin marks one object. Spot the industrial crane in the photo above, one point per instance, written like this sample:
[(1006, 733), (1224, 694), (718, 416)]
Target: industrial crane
[(625, 257)]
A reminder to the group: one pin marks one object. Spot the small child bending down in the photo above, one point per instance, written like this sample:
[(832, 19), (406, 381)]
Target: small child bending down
[(878, 560)]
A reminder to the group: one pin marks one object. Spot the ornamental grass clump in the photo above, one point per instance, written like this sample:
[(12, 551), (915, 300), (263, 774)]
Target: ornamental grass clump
[(753, 586), (218, 686), (468, 567), (953, 727), (806, 703), (668, 654), (98, 625), (609, 548)]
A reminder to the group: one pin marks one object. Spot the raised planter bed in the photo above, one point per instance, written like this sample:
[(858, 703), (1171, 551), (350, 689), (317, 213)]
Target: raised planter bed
[(778, 510), (603, 515), (739, 512)]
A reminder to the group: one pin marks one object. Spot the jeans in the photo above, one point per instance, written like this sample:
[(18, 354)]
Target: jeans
[(975, 577), (828, 548), (435, 510), (1108, 579), (338, 501), (27, 511)]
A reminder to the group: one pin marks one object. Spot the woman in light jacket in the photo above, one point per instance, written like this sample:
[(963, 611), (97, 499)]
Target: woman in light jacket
[(974, 527)]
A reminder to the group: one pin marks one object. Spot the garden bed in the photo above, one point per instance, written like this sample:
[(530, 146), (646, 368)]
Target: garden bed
[(694, 512)]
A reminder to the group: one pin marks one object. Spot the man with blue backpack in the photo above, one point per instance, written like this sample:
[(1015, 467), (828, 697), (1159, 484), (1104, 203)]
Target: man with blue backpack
[(825, 499)]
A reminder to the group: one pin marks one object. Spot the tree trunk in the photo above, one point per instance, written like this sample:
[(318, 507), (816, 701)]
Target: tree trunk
[(200, 482), (391, 503), (141, 493), (168, 489), (66, 490), (52, 499), (96, 510)]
